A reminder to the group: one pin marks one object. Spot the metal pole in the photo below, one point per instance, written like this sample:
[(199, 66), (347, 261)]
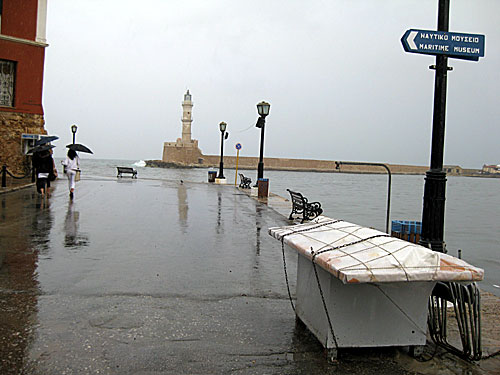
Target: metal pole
[(221, 165), (389, 183), (260, 168), (435, 180), (236, 173), (74, 137)]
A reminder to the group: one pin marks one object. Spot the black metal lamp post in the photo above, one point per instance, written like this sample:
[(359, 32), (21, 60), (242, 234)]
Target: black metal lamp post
[(435, 179), (74, 128), (263, 110), (223, 135)]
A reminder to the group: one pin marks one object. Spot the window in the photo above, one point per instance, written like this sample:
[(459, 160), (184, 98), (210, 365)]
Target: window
[(7, 75)]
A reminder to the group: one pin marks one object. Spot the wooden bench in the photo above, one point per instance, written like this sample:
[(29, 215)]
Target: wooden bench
[(122, 170), (244, 181), (301, 207)]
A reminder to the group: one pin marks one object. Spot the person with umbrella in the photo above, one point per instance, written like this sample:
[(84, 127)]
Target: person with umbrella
[(71, 166), (43, 163)]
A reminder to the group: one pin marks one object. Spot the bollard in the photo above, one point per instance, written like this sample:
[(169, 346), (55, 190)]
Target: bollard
[(4, 176), (263, 187), (211, 176)]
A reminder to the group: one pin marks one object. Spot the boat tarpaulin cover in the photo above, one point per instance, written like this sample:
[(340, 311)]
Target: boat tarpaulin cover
[(356, 254)]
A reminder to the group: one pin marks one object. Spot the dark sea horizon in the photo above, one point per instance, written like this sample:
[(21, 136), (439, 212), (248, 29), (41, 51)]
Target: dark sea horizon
[(472, 204)]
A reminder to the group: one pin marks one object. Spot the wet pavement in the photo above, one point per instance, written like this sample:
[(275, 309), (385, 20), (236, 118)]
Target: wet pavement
[(161, 277)]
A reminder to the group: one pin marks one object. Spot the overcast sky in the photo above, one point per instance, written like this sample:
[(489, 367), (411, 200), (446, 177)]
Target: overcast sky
[(340, 85)]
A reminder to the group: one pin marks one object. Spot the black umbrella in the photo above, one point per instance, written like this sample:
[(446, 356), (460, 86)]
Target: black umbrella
[(45, 140), (79, 147), (40, 148)]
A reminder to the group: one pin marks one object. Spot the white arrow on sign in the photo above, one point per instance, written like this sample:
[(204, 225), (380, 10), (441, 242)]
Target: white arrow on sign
[(411, 39)]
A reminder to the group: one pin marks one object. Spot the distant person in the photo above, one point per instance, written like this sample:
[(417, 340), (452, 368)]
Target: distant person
[(71, 166), (44, 167)]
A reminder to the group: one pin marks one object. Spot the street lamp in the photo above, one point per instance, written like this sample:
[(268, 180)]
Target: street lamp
[(74, 128), (263, 110), (223, 135)]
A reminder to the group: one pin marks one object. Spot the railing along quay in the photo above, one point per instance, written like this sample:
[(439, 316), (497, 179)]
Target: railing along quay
[(6, 172)]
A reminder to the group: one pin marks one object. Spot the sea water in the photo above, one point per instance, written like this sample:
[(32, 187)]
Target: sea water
[(472, 219)]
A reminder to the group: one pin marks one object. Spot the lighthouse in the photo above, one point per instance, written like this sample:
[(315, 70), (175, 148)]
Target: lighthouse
[(185, 150), (187, 107)]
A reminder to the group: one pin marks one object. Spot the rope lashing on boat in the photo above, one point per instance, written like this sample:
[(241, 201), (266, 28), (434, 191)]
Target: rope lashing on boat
[(314, 255), (399, 308), (465, 299), (283, 252)]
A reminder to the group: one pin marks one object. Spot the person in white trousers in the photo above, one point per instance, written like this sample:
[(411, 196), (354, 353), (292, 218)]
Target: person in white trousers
[(71, 165)]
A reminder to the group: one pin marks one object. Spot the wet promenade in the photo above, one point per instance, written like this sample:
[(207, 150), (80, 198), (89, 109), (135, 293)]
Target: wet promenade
[(160, 277)]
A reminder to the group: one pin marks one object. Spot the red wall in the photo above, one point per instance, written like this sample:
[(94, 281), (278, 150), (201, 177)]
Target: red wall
[(19, 18), (29, 75)]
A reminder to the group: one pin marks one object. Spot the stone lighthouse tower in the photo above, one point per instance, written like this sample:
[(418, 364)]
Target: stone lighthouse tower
[(185, 150), (187, 107)]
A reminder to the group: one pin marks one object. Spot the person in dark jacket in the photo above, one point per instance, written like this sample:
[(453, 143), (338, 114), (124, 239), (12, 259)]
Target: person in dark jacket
[(44, 166)]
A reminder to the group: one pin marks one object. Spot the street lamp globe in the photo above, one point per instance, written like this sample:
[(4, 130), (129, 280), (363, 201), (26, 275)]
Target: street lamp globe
[(263, 108), (74, 128), (222, 126)]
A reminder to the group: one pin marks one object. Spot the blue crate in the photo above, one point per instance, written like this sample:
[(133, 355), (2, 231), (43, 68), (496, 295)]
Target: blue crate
[(406, 226)]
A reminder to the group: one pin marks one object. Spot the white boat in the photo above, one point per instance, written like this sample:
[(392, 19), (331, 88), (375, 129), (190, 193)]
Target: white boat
[(359, 287)]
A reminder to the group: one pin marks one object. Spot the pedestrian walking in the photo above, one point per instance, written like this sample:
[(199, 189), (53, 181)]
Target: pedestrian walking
[(43, 163), (71, 166)]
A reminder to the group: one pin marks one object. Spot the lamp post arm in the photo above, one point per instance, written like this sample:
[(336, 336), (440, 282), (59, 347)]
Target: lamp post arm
[(389, 183)]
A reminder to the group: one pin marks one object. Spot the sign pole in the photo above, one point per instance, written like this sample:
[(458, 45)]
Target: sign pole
[(238, 148), (435, 178), (236, 173)]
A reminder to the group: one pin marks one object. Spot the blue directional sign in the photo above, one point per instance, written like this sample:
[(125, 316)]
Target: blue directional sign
[(456, 45)]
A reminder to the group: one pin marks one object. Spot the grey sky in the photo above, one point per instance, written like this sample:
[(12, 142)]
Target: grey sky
[(340, 85)]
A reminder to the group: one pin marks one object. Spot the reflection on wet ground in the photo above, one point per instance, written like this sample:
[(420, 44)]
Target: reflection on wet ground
[(156, 277), (73, 239), (25, 225)]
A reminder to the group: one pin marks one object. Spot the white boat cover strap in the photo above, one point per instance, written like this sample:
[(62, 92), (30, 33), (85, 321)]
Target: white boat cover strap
[(356, 254)]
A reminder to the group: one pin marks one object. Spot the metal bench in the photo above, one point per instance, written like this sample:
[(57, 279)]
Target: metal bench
[(301, 207), (122, 170), (244, 181)]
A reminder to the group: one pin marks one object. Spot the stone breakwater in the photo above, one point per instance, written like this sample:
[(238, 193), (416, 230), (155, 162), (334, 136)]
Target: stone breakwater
[(307, 165)]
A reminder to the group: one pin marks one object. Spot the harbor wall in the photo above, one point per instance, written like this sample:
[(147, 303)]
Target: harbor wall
[(288, 164)]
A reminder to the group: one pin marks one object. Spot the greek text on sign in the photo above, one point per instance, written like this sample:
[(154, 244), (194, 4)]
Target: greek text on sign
[(456, 45)]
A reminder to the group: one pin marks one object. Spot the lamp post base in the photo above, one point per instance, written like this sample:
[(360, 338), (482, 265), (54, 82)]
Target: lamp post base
[(433, 211)]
